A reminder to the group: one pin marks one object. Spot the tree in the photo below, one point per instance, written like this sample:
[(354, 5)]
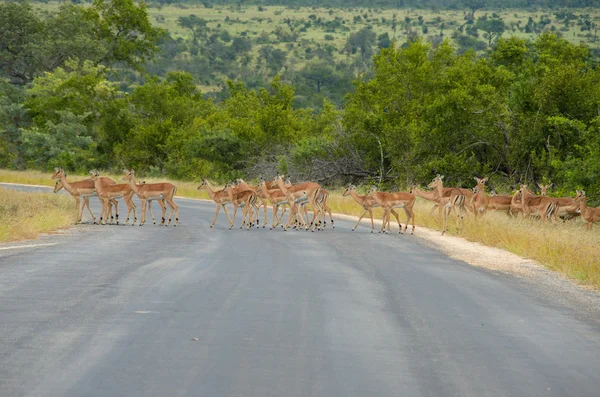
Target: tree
[(364, 40), (196, 25), (383, 40), (105, 33), (494, 27), (474, 5), (320, 73), (125, 30), (20, 31)]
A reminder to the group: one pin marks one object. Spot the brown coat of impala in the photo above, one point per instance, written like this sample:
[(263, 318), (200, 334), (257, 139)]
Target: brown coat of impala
[(454, 202), (388, 201), (220, 197), (82, 189), (260, 194), (277, 199), (543, 206), (590, 215), (305, 191), (481, 202), (245, 199), (154, 191), (368, 202), (567, 207), (105, 193)]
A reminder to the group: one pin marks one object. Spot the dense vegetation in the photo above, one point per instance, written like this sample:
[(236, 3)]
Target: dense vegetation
[(78, 91)]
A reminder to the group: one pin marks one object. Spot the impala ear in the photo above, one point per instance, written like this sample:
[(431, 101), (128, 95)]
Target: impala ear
[(476, 179), (442, 177), (91, 172), (550, 185)]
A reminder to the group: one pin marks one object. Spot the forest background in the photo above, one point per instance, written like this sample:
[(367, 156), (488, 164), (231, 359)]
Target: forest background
[(392, 93)]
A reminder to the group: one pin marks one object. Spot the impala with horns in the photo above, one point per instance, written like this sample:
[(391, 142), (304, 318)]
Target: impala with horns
[(161, 192)]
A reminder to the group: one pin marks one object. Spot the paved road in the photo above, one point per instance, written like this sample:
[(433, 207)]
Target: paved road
[(154, 311)]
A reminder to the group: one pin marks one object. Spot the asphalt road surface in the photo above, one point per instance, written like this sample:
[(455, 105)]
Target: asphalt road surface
[(155, 311)]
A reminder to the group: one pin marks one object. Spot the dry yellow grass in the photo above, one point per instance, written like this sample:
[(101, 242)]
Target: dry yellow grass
[(567, 248), (564, 247), (26, 215)]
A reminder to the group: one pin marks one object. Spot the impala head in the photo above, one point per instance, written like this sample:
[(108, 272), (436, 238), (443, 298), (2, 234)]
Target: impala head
[(129, 175), (58, 173), (413, 188), (288, 181), (544, 189), (278, 178), (480, 182), (436, 181), (58, 186), (94, 175), (349, 189), (203, 185), (239, 181)]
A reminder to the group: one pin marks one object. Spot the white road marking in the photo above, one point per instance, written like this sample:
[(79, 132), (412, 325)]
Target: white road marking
[(26, 246), (145, 312), (24, 184)]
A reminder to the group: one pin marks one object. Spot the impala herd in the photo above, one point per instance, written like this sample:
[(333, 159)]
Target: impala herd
[(282, 194)]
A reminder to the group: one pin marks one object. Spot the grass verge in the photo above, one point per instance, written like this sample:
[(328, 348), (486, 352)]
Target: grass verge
[(26, 215), (567, 248)]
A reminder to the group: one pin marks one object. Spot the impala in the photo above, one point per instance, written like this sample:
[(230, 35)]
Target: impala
[(261, 196), (388, 201), (368, 202), (589, 215), (241, 197), (567, 207), (161, 192), (455, 202), (306, 191), (220, 197), (83, 189), (537, 205), (105, 193), (481, 202), (277, 199)]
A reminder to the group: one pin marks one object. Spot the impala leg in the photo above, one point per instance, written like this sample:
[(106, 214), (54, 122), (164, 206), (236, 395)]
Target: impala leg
[(143, 216), (104, 202), (163, 211), (226, 212), (384, 220), (410, 215), (150, 211), (77, 201), (357, 222), (115, 202), (330, 217), (231, 222), (86, 203), (174, 208), (80, 214), (217, 213)]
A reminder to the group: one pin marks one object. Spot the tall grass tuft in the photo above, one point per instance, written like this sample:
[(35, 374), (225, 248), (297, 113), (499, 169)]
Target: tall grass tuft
[(26, 215)]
